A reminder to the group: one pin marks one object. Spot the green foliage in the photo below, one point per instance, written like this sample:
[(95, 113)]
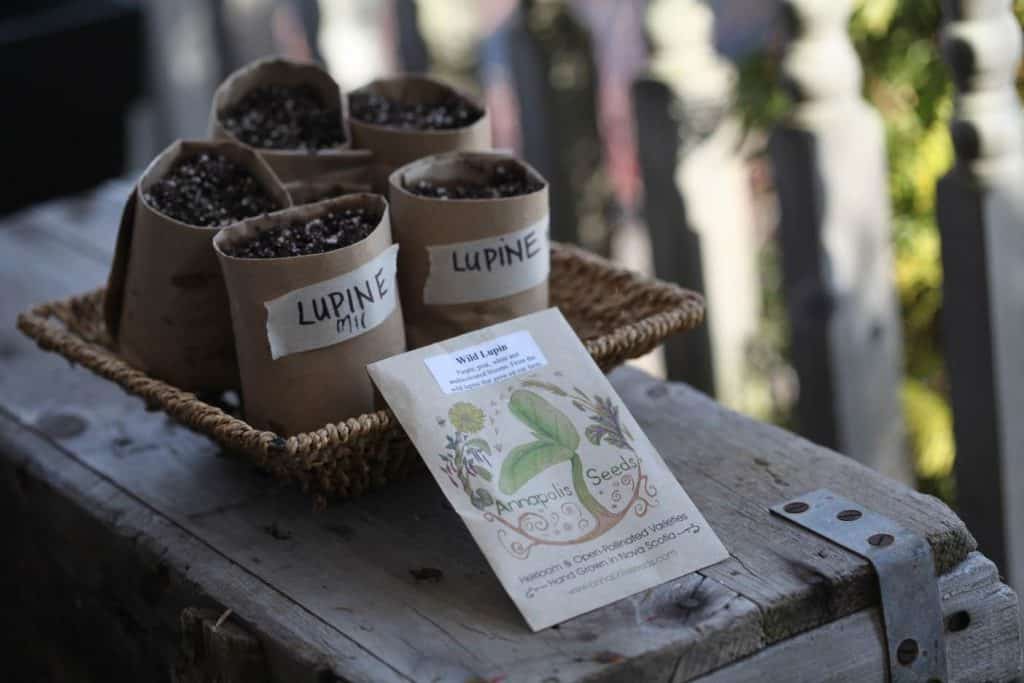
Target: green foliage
[(556, 440), (908, 83), (478, 445), (760, 100), (930, 421), (528, 460), (547, 422)]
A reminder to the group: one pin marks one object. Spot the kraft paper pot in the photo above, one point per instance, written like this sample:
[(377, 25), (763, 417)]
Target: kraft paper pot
[(393, 146), (307, 326), (166, 307), (306, 174), (468, 263)]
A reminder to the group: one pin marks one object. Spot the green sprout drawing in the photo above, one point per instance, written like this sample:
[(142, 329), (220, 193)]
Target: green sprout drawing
[(556, 441)]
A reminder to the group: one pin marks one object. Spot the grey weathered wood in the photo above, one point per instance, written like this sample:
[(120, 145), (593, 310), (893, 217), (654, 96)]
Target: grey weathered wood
[(183, 63), (412, 50), (675, 246), (830, 171), (709, 174), (558, 123), (215, 649), (100, 579), (981, 219), (332, 591), (971, 592)]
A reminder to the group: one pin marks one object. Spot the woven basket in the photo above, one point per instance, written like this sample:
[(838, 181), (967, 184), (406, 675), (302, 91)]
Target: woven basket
[(616, 313)]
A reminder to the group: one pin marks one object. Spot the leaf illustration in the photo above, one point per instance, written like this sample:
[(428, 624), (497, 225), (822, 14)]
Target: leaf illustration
[(482, 472), (478, 445), (528, 460), (481, 499), (545, 420)]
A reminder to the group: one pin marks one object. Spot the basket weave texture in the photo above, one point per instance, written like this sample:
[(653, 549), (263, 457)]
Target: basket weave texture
[(616, 313)]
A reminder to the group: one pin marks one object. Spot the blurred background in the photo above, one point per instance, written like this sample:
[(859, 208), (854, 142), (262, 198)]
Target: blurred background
[(670, 131)]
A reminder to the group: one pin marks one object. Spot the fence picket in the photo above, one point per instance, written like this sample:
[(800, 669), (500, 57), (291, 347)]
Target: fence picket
[(981, 219), (831, 175), (698, 205)]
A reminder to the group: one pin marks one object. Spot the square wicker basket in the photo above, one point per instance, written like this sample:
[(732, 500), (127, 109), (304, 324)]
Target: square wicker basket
[(616, 313)]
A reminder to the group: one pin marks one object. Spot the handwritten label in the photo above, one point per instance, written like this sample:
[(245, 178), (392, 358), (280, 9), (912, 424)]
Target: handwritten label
[(496, 361), (490, 268), (335, 310)]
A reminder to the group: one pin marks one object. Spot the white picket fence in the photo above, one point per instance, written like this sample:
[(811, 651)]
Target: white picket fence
[(830, 172)]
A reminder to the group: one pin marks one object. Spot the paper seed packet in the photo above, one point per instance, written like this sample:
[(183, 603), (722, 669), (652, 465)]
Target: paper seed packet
[(559, 486)]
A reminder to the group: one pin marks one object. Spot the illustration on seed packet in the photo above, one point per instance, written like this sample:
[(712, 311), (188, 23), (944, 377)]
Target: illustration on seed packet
[(593, 483)]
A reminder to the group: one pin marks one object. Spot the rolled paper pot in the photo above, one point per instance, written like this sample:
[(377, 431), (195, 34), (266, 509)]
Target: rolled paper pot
[(468, 263), (307, 326), (166, 306), (340, 167), (394, 146)]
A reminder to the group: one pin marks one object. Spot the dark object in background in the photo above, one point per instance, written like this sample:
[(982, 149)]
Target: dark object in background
[(675, 245), (69, 70)]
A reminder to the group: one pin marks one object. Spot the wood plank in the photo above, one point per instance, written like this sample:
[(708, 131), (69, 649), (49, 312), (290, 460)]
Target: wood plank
[(830, 171), (675, 246), (981, 614), (36, 482), (969, 361), (691, 154), (348, 568), (100, 579), (981, 219), (734, 469), (557, 120)]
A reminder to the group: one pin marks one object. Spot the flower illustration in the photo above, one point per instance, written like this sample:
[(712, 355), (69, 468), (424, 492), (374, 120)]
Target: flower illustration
[(466, 417), (466, 457)]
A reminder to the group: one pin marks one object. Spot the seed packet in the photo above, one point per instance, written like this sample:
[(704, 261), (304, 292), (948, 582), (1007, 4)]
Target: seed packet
[(270, 106), (567, 498), (166, 307), (306, 325), (473, 227), (406, 117)]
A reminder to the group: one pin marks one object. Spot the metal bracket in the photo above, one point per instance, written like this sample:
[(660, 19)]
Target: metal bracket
[(911, 607)]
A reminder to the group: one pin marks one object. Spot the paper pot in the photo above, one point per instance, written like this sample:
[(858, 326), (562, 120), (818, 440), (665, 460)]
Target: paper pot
[(307, 175), (393, 146), (468, 263), (166, 306), (307, 326)]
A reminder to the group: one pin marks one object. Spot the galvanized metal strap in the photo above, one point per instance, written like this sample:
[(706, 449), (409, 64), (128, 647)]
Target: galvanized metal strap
[(911, 606)]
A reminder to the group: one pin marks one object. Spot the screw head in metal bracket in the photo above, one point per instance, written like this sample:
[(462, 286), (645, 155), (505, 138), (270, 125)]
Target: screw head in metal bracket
[(849, 515), (911, 606)]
